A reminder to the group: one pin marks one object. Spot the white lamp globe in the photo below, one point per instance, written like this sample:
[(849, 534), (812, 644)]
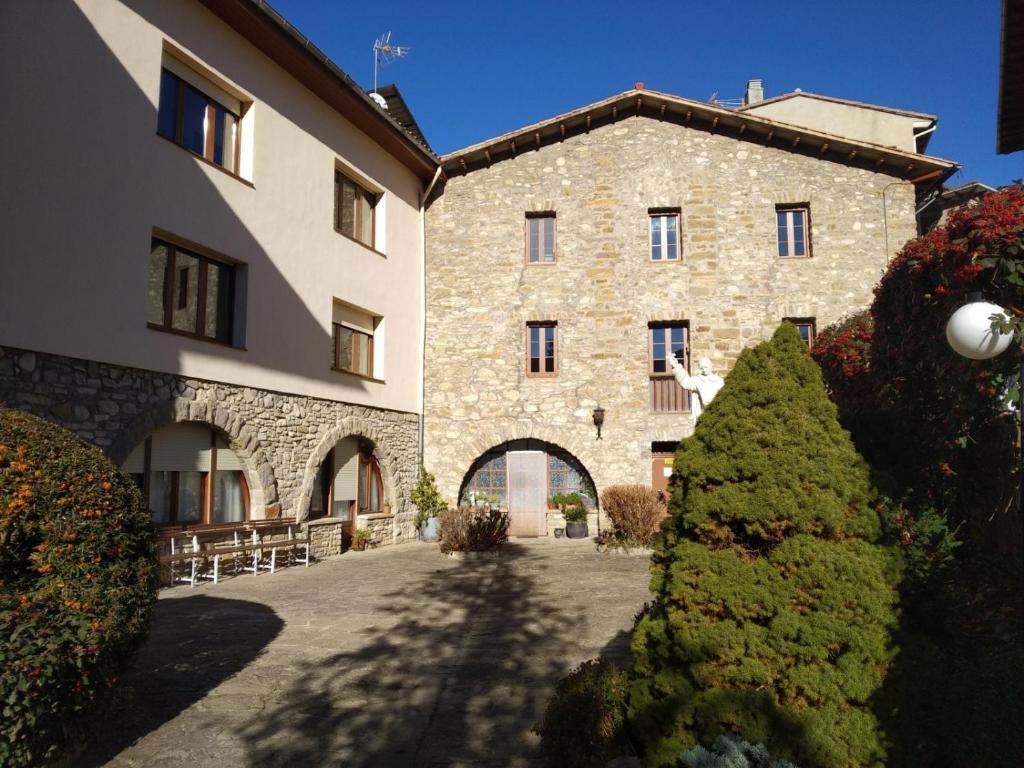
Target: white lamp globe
[(969, 331)]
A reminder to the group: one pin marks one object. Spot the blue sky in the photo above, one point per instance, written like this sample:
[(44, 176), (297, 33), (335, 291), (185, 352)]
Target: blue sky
[(479, 69)]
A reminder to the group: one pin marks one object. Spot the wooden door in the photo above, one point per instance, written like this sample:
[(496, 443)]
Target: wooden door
[(661, 470), (527, 493)]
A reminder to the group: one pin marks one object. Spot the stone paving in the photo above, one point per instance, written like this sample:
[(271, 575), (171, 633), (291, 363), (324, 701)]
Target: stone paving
[(394, 657)]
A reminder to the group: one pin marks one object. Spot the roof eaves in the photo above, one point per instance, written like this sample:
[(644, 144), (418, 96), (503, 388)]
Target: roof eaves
[(534, 135)]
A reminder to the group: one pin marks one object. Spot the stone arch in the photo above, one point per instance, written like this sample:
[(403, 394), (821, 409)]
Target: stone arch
[(259, 474), (548, 444), (350, 426)]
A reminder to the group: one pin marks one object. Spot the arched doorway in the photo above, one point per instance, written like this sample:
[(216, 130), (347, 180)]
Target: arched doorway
[(522, 476), (348, 484)]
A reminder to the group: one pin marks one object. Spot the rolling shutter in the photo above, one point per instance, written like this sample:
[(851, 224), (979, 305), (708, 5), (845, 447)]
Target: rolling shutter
[(346, 475), (181, 448), (135, 464), (226, 458)]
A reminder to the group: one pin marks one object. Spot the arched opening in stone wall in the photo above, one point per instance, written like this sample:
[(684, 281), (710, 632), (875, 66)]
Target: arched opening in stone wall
[(190, 477), (523, 476)]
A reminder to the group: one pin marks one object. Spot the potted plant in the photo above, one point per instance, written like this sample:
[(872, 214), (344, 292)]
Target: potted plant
[(575, 516), (429, 506), (360, 539)]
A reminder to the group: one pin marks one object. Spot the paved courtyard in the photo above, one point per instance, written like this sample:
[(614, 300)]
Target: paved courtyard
[(395, 657)]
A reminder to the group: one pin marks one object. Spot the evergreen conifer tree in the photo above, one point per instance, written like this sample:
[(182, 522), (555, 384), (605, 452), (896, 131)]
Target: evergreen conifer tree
[(773, 605)]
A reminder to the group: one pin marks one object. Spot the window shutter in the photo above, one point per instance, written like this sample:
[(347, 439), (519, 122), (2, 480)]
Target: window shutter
[(226, 458), (346, 471), (181, 448)]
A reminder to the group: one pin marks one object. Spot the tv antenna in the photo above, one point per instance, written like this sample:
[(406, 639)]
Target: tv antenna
[(384, 51)]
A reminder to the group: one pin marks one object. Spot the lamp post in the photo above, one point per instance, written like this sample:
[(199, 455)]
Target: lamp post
[(971, 332)]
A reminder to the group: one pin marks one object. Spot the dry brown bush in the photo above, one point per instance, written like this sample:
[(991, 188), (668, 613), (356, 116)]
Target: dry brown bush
[(636, 511)]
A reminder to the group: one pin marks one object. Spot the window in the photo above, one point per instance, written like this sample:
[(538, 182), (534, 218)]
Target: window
[(354, 339), (541, 350), (666, 339), (371, 488), (354, 210), (792, 225), (540, 238), (664, 235), (193, 120), (806, 326), (190, 293), (190, 477)]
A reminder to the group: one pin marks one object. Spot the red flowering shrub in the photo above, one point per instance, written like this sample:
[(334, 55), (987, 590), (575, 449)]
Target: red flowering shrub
[(77, 581), (843, 352), (940, 398)]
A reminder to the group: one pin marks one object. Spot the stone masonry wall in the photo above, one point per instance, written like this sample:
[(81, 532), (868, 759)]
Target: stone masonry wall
[(281, 439), (730, 285)]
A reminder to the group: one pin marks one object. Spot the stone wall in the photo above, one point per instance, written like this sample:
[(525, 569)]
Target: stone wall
[(281, 439), (730, 285)]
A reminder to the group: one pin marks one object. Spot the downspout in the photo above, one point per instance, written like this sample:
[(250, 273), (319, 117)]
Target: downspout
[(423, 311)]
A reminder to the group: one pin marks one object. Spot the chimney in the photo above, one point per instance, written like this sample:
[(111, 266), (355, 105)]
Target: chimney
[(755, 92)]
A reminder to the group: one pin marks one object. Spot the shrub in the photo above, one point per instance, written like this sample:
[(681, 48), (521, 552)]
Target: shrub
[(77, 581), (426, 498), (773, 604), (732, 752), (636, 512), (583, 721), (473, 529)]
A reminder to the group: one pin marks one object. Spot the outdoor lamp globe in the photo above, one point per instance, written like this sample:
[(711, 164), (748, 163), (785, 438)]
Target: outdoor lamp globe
[(970, 333)]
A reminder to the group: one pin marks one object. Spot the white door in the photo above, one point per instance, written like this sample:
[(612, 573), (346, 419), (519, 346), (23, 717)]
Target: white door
[(527, 493)]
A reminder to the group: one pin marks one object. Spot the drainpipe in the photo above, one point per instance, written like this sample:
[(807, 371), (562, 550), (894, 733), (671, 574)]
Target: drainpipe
[(423, 311)]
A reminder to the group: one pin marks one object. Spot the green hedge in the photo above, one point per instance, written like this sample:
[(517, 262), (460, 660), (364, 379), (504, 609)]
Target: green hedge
[(77, 583), (773, 606)]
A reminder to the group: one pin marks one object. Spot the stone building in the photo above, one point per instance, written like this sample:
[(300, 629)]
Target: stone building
[(211, 263), (567, 260)]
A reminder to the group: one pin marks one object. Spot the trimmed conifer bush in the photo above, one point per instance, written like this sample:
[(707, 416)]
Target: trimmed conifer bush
[(773, 604), (77, 582)]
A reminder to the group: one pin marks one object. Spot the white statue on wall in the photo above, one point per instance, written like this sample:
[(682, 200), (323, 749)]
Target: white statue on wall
[(706, 384)]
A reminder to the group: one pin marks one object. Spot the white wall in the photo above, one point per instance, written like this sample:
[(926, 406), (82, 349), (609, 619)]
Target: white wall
[(87, 178)]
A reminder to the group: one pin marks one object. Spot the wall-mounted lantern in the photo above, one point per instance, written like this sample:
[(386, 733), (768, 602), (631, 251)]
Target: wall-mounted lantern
[(598, 420)]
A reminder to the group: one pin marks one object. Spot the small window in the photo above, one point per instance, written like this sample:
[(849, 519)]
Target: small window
[(355, 210), (664, 341), (353, 350), (541, 353), (806, 327), (664, 235), (193, 120), (190, 293), (540, 238), (793, 230)]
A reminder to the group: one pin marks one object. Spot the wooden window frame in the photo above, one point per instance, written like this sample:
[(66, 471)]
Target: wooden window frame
[(660, 378), (336, 365), (171, 292), (369, 467), (206, 491), (804, 209), (542, 374), (212, 105), (541, 216), (808, 322), (658, 213), (340, 179)]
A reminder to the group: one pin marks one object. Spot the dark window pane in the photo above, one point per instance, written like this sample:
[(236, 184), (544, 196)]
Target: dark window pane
[(157, 276), (365, 234), (190, 495), (348, 209), (344, 348), (219, 280), (160, 496), (186, 292), (549, 238), (193, 135), (224, 140), (167, 113), (534, 227)]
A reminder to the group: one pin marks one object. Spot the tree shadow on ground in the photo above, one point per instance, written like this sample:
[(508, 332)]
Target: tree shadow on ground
[(457, 681), (178, 665)]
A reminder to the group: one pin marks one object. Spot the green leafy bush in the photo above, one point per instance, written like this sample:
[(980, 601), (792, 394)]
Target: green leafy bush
[(472, 529), (636, 512), (583, 722), (732, 752), (77, 582), (773, 604), (426, 498)]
